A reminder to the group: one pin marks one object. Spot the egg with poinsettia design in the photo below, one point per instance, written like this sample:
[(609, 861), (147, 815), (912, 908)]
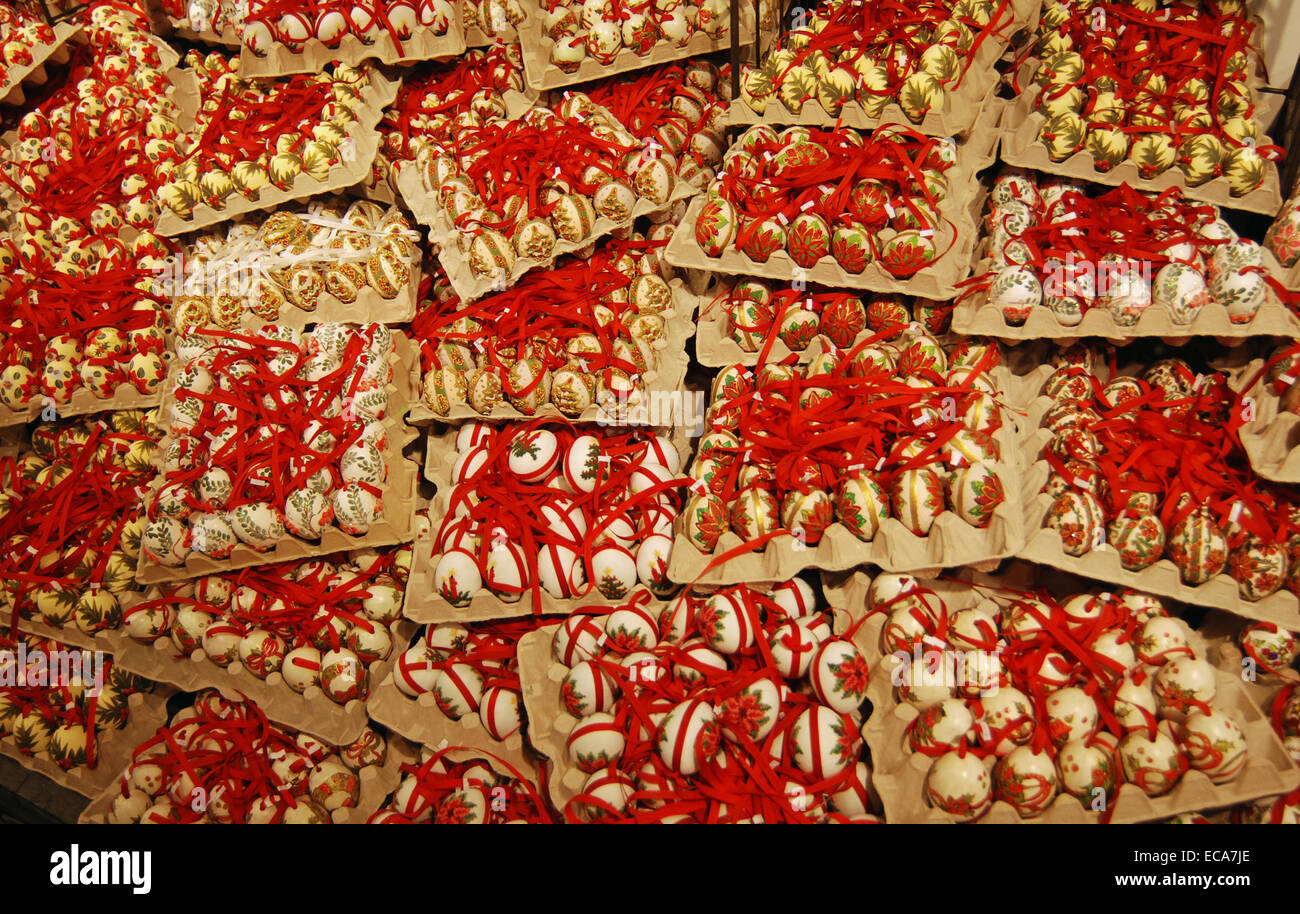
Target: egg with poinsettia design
[(907, 252), (917, 499), (839, 675), (807, 514), (861, 505), (852, 247), (715, 227), (706, 520), (688, 737), (808, 239), (751, 712), (1138, 538), (823, 742), (975, 492)]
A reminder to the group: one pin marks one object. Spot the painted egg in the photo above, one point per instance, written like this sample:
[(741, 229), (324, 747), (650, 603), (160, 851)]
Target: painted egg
[(1181, 288), (533, 454), (861, 506), (458, 690), (715, 227), (1198, 547), (1015, 291), (839, 675), (613, 571), (1078, 518), (356, 509), (807, 514), (917, 499), (943, 725), (559, 571), (1242, 293), (456, 577), (596, 742), (793, 645), (908, 252), (587, 689), (706, 521), (1026, 779), (959, 784), (499, 712), (754, 512), (1088, 771), (688, 737), (1154, 763), (975, 493), (583, 467), (1215, 744), (808, 240)]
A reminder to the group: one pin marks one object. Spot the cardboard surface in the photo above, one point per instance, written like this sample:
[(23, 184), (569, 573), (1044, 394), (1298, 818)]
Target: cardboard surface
[(666, 377), (1272, 439), (398, 493), (355, 167), (954, 239), (82, 402), (899, 774)]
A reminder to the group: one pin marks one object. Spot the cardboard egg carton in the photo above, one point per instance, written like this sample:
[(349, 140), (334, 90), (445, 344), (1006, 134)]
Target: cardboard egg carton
[(423, 602), (43, 56), (82, 402), (899, 774), (962, 102), (377, 782), (422, 45), (423, 204), (165, 24), (540, 73), (974, 316), (74, 637), (950, 542), (1272, 438), (369, 306), (666, 377), (422, 721), (549, 725), (954, 239), (1020, 146), (1043, 545), (311, 711), (113, 748), (356, 153), (398, 493)]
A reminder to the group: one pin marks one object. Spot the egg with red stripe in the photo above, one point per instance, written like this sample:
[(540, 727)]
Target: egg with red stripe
[(560, 571), (565, 519), (446, 640), (506, 573), (587, 689), (293, 29), (596, 742), (456, 577), (652, 564), (726, 624), (631, 628), (613, 571), (365, 25), (330, 27), (794, 643), (474, 434), (578, 638), (695, 661), (499, 712), (469, 464), (646, 477), (688, 737), (605, 795), (402, 17), (458, 690), (839, 675), (583, 467), (659, 451), (415, 671), (795, 597), (533, 454), (823, 742)]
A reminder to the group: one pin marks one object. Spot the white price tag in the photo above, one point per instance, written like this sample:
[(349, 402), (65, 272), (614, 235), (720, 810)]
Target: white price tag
[(807, 205)]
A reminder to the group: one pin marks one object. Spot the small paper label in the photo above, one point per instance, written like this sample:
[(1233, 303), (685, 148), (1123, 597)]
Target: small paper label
[(807, 205), (855, 467), (889, 209), (880, 464), (1235, 514), (782, 218), (927, 233), (1287, 379)]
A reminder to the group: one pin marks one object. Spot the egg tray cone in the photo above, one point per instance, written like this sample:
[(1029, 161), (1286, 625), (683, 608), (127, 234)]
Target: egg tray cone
[(147, 712), (1272, 439), (1043, 545), (899, 774), (311, 711), (398, 493), (962, 102), (950, 542)]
